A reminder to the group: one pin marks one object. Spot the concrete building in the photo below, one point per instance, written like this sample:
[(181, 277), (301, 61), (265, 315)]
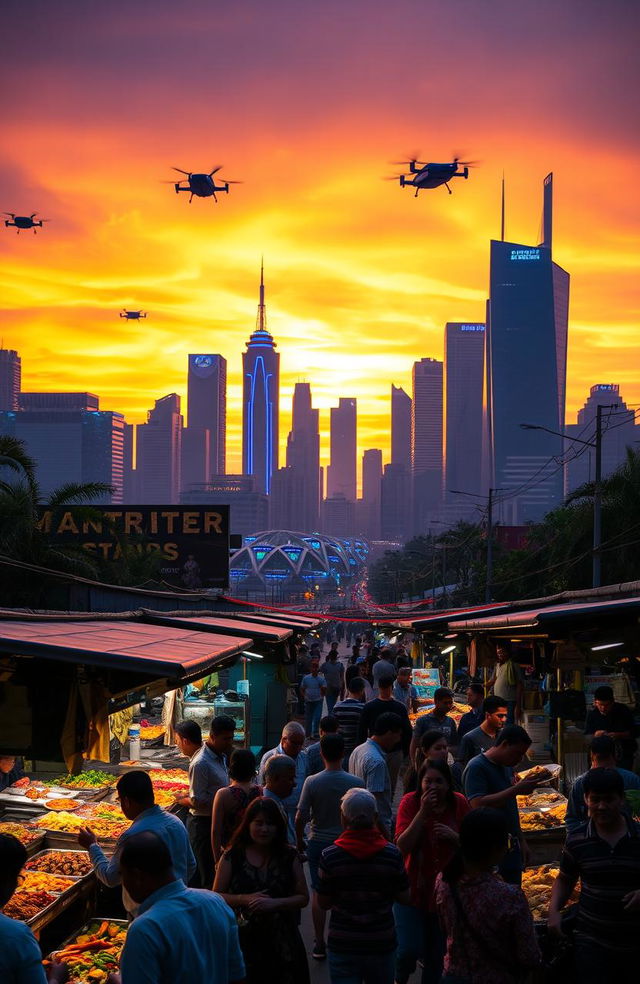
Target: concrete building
[(369, 505), (338, 516), (248, 507), (400, 427), (207, 409), (426, 442), (463, 417), (10, 379), (71, 440), (342, 469), (619, 432), (158, 453), (302, 473), (527, 328), (395, 504), (260, 401)]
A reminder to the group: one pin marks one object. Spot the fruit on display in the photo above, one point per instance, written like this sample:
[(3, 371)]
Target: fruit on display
[(167, 797), (61, 804), (42, 881), (537, 884), (63, 821), (61, 863), (23, 834), (93, 779), (94, 953), (27, 905)]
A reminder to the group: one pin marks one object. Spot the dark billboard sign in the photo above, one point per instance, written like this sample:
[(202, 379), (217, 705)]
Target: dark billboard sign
[(193, 541)]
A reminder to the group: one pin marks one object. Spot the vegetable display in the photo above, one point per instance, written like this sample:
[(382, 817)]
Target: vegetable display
[(93, 779), (94, 953)]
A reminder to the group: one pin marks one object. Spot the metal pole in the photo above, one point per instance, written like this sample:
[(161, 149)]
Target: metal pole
[(487, 593), (597, 503)]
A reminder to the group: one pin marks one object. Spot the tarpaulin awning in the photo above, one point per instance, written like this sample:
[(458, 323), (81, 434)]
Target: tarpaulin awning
[(551, 617), (260, 631)]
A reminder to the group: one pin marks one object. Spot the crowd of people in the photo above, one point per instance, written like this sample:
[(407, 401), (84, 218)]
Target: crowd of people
[(430, 879)]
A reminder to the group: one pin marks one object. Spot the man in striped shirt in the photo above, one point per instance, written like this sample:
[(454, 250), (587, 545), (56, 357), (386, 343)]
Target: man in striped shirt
[(348, 713), (361, 875), (604, 853)]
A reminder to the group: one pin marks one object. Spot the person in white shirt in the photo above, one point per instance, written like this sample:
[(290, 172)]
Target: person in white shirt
[(180, 935), (291, 744), (136, 800)]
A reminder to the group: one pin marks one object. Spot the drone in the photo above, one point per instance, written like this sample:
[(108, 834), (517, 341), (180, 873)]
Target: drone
[(23, 221), (430, 175), (132, 315), (201, 185)]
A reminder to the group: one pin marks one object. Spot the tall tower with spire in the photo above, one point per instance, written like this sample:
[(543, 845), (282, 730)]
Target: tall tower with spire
[(260, 400)]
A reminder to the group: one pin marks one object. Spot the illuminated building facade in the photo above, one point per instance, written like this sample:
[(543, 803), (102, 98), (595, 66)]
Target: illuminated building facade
[(207, 405), (260, 398)]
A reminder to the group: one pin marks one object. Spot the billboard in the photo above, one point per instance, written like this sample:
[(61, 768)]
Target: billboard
[(193, 541)]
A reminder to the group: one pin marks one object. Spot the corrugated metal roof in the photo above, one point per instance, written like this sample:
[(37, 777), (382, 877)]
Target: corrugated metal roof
[(261, 631), (541, 616), (159, 650)]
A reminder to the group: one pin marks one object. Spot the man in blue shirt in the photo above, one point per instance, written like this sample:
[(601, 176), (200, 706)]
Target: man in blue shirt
[(182, 935), (313, 688), (136, 800), (437, 720), (603, 756), (473, 718)]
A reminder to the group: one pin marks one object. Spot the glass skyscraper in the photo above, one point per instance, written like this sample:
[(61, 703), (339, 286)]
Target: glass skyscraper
[(260, 399), (526, 356)]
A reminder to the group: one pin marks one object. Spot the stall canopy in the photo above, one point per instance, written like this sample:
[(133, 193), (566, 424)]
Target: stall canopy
[(154, 650), (259, 631), (540, 620)]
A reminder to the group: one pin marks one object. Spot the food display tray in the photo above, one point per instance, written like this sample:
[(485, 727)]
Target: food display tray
[(81, 886), (123, 923), (55, 850)]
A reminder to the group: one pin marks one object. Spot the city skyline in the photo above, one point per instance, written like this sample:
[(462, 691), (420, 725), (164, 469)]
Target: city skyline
[(362, 276)]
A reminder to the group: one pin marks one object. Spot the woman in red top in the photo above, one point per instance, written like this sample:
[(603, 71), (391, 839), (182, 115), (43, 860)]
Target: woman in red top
[(427, 835)]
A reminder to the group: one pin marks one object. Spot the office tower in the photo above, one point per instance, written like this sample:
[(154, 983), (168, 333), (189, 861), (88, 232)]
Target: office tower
[(426, 442), (369, 505), (463, 416), (338, 516), (341, 473), (400, 427), (195, 454), (207, 405), (619, 432), (395, 504), (260, 399), (130, 475), (71, 440), (527, 329), (10, 377), (158, 453), (248, 508), (296, 501)]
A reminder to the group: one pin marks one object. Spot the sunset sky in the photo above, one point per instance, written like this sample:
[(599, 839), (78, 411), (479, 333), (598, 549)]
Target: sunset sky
[(306, 103)]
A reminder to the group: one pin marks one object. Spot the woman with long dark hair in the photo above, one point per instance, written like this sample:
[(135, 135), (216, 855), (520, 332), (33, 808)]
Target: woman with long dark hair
[(427, 835), (433, 745), (488, 925), (230, 802), (261, 877)]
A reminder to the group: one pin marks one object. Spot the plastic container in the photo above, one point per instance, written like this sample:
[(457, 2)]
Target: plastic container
[(242, 687), (134, 742)]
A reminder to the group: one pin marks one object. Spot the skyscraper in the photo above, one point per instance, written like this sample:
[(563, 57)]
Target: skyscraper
[(463, 414), (159, 453), (207, 405), (71, 440), (400, 427), (426, 442), (10, 377), (260, 397), (341, 473), (618, 434), (527, 327), (303, 461), (371, 493), (395, 497)]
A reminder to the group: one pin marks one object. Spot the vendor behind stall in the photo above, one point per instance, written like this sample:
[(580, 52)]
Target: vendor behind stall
[(608, 717), (508, 682), (10, 771)]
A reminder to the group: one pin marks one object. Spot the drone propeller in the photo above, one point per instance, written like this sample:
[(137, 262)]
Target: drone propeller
[(215, 170), (180, 171), (11, 215), (230, 182), (391, 177), (411, 157), (457, 159)]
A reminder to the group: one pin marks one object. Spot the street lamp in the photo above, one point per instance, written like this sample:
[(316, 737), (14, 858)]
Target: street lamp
[(597, 491), (489, 498)]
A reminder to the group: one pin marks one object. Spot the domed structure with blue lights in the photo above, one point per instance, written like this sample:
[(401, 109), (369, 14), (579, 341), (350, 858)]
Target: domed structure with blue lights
[(284, 563)]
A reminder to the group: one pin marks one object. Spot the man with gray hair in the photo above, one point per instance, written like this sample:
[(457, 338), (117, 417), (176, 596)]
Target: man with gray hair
[(361, 875), (291, 743), (279, 778)]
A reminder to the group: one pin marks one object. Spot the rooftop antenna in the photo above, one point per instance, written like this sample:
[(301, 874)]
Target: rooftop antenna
[(502, 212), (261, 320), (547, 211)]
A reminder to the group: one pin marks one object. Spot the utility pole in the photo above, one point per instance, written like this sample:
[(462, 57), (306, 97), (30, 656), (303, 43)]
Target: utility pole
[(487, 591), (597, 503)]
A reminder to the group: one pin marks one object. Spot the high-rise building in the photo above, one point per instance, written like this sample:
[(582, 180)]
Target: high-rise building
[(296, 503), (395, 498), (463, 416), (195, 453), (71, 440), (400, 427), (158, 456), (619, 432), (527, 328), (260, 401), (426, 442), (338, 516), (342, 470), (248, 508), (10, 379), (207, 405), (369, 505)]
